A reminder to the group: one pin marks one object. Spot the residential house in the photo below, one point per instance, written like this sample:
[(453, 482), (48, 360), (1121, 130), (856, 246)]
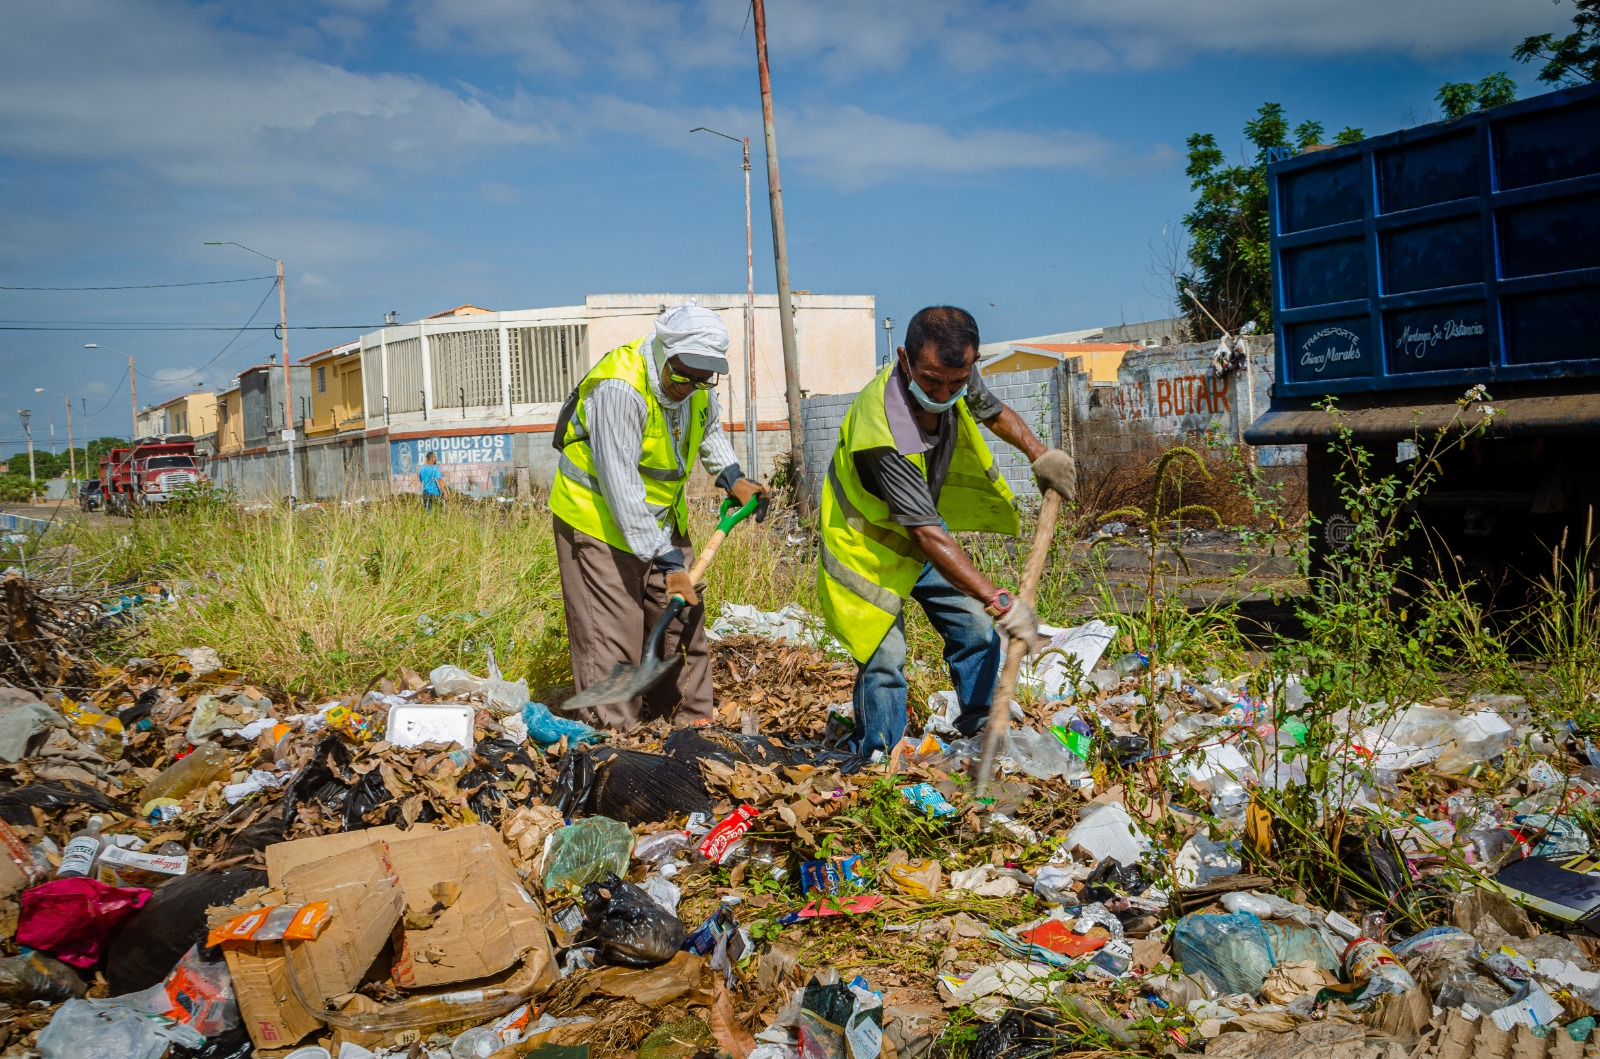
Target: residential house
[(336, 399)]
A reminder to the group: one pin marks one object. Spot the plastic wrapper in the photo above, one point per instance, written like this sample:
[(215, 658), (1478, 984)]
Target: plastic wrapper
[(1201, 860), (276, 923), (631, 928), (573, 791), (198, 993), (98, 1029), (586, 851), (547, 729), (36, 976), (662, 847), (73, 919), (1562, 836)]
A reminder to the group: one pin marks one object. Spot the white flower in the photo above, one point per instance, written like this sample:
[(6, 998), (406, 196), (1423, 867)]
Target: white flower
[(1488, 410)]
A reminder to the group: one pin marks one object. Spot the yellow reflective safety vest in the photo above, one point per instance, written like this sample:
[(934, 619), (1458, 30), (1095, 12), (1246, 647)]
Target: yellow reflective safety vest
[(664, 461), (869, 562)]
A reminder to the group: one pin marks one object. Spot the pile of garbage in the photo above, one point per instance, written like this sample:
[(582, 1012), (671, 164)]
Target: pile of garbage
[(191, 865)]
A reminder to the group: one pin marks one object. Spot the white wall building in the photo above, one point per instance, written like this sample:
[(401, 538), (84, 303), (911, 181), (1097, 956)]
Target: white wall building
[(483, 389)]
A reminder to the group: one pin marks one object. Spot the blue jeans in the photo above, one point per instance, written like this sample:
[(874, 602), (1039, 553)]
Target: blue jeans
[(971, 649)]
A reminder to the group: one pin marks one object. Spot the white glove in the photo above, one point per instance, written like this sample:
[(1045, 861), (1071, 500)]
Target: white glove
[(1021, 622)]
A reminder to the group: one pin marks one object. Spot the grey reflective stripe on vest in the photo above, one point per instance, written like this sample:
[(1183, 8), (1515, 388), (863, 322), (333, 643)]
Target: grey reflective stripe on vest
[(876, 595), (663, 474), (896, 543), (580, 477), (971, 481)]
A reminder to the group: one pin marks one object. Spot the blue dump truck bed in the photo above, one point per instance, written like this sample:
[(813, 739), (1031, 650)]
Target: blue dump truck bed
[(1456, 253)]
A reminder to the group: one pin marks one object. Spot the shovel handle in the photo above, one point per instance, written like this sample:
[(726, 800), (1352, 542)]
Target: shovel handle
[(727, 520), (994, 734)]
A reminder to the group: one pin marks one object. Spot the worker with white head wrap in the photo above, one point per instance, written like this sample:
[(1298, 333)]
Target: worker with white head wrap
[(628, 437)]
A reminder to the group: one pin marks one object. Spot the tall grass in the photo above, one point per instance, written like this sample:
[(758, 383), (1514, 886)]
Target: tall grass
[(327, 601)]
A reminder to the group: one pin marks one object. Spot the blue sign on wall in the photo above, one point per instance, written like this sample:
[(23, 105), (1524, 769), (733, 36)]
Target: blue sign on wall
[(475, 464)]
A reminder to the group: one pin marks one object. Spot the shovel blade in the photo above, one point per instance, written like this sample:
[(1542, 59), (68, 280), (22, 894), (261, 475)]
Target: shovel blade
[(623, 683)]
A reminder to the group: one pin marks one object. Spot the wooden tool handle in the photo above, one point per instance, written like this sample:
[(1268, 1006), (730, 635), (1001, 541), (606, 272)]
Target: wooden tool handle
[(703, 560), (994, 735)]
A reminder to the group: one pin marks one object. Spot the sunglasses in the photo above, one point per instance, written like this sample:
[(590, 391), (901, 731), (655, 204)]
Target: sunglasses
[(678, 378)]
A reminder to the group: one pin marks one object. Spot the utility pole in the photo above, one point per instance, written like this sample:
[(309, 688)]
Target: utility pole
[(32, 476), (133, 390), (751, 424), (72, 457), (780, 253), (288, 383)]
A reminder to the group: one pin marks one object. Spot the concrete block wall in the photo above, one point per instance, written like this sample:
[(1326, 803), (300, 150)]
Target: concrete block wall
[(821, 417), (1035, 396)]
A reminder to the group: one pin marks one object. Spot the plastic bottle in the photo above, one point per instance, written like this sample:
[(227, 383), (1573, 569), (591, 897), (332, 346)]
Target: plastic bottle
[(1130, 663), (1373, 964), (83, 849), (207, 763)]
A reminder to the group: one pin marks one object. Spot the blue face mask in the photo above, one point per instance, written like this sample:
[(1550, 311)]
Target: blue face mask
[(929, 404)]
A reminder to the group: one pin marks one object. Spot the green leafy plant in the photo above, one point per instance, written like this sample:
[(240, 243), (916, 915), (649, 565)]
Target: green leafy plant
[(1228, 279)]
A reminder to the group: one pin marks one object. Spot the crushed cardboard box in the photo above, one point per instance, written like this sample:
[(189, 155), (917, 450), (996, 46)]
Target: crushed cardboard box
[(444, 907)]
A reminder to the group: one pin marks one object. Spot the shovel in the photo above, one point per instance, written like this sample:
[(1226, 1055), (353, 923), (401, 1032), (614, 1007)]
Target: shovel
[(625, 681), (994, 733)]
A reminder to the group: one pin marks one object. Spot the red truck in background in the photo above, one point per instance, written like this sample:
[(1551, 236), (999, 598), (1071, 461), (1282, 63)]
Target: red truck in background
[(148, 473)]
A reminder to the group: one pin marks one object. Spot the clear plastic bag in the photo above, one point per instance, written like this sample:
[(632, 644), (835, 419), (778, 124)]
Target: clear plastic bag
[(100, 1029), (1234, 951), (1041, 755), (586, 851), (631, 928), (1201, 860)]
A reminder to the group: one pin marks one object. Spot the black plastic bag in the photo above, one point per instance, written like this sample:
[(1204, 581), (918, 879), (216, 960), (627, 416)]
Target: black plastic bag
[(573, 791), (17, 803), (38, 976), (640, 788), (1110, 878), (1022, 1034), (491, 764), (632, 929), (154, 939), (834, 1003)]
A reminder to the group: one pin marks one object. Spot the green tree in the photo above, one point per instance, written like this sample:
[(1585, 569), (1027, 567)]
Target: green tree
[(1570, 60), (1459, 98), (1229, 270), (97, 448)]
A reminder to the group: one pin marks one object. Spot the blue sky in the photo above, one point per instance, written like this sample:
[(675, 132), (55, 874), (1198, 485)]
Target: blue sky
[(1019, 158)]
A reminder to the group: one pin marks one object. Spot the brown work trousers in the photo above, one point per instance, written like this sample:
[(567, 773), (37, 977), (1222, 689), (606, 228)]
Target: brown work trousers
[(613, 599)]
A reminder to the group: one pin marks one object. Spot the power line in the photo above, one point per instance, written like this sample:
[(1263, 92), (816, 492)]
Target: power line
[(69, 325), (232, 340), (150, 286)]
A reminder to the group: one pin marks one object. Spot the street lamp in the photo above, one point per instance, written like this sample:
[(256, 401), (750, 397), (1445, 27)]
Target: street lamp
[(288, 385), (133, 387), (32, 476), (72, 457), (888, 339), (750, 424)]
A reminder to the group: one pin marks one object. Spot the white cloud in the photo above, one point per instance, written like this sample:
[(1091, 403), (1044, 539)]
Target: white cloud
[(207, 107), (500, 194), (641, 39)]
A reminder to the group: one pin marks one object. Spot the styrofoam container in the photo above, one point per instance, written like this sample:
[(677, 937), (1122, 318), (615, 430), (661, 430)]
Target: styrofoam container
[(445, 722)]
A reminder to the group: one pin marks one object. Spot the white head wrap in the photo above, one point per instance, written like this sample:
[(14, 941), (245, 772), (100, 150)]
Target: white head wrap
[(695, 336)]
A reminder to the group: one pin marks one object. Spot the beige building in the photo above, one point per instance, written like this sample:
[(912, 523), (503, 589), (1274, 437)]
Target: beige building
[(336, 391), (483, 389), (191, 413)]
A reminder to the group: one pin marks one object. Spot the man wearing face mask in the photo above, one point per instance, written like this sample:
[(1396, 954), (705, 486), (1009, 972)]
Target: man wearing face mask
[(628, 436), (910, 469)]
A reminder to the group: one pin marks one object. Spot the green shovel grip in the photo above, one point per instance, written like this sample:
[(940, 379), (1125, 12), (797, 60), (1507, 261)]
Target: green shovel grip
[(727, 519)]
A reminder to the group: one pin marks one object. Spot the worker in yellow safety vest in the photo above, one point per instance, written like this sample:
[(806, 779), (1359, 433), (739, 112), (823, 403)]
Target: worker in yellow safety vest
[(911, 469), (628, 437)]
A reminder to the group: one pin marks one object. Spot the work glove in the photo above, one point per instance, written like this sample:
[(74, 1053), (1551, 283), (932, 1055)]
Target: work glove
[(680, 584), (1021, 622), (1057, 471), (743, 489)]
